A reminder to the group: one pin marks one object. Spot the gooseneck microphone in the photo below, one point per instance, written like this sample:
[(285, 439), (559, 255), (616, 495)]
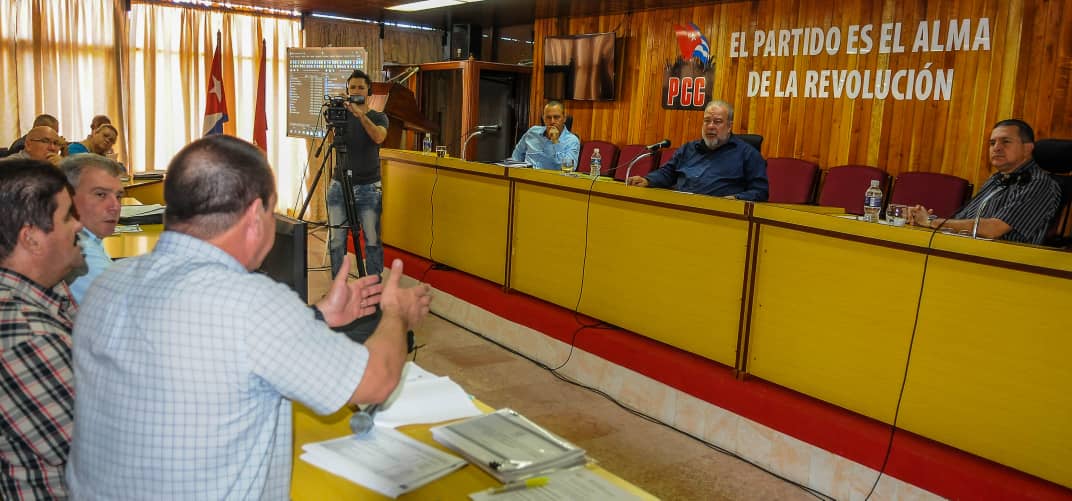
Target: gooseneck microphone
[(982, 207), (480, 129), (665, 143)]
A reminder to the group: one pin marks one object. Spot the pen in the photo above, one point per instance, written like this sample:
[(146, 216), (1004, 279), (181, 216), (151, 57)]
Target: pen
[(523, 484)]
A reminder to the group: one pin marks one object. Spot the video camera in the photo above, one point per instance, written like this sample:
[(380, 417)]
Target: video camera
[(336, 111)]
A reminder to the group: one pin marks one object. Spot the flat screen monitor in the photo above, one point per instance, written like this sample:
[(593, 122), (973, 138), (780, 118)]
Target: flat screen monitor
[(287, 261), (579, 67), (313, 74)]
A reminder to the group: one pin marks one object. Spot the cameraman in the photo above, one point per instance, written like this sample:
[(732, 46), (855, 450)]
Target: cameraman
[(365, 130)]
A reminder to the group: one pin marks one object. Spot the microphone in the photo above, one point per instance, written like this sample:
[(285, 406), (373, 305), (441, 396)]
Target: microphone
[(480, 129), (363, 421), (665, 143), (982, 206)]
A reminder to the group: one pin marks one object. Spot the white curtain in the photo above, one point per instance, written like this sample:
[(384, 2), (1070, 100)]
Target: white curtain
[(170, 53), (147, 70)]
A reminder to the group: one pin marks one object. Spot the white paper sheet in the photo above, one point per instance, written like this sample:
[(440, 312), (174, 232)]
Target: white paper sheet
[(383, 460), (423, 397), (140, 210)]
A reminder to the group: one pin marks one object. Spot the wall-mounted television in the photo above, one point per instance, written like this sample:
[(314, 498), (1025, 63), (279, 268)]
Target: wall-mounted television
[(580, 67)]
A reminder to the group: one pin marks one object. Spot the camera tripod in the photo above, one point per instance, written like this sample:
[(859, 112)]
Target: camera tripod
[(339, 147)]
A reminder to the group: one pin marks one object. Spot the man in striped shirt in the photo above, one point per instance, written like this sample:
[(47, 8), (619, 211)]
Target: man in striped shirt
[(1016, 203), (38, 247)]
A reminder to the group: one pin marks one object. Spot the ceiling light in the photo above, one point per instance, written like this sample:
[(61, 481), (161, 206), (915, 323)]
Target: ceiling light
[(428, 4)]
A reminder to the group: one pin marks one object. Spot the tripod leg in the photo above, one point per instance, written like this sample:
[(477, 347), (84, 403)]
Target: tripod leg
[(355, 223), (312, 188)]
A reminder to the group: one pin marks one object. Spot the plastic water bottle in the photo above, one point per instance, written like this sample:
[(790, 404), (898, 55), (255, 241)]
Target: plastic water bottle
[(873, 202), (597, 164), (426, 146)]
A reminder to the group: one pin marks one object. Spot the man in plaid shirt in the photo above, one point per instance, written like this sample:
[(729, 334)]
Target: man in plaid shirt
[(38, 247)]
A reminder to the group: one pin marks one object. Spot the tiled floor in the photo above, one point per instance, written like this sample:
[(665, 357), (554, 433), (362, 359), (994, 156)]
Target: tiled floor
[(662, 461)]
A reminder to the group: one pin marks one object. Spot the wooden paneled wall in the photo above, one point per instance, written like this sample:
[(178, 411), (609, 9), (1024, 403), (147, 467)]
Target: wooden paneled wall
[(1025, 74)]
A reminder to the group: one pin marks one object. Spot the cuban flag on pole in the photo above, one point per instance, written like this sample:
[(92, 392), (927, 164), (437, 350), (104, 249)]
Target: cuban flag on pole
[(215, 99)]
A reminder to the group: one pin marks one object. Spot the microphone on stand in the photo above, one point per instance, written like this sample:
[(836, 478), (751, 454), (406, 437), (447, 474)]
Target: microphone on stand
[(651, 149), (480, 129), (665, 143)]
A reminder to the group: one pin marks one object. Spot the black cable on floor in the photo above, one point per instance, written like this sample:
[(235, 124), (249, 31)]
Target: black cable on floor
[(554, 372)]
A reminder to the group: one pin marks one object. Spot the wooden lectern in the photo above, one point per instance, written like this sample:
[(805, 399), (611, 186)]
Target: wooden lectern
[(401, 107)]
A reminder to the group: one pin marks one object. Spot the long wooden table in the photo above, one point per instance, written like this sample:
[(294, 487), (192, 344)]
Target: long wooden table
[(823, 305)]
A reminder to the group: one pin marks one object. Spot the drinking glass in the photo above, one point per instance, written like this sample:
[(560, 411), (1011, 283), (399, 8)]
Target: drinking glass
[(896, 214), (441, 151), (568, 166)]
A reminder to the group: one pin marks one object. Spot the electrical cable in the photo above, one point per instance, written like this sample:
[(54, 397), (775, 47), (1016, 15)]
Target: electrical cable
[(908, 361), (431, 224), (554, 372)]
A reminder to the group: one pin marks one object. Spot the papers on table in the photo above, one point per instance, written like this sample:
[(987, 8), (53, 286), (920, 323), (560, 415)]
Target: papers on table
[(140, 210), (127, 228), (574, 483), (423, 397), (509, 162), (508, 446), (383, 460), (386, 460)]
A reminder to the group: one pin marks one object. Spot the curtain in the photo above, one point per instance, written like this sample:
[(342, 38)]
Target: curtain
[(170, 52), (147, 70), (59, 58)]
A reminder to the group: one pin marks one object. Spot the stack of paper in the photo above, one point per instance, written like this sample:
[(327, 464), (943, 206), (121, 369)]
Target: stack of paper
[(423, 397), (508, 446), (383, 460)]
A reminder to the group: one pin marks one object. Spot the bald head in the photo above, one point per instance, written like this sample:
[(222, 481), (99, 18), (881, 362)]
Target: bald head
[(212, 181), (44, 143)]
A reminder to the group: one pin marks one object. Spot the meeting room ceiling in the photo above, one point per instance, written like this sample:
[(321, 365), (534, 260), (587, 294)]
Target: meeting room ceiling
[(486, 13)]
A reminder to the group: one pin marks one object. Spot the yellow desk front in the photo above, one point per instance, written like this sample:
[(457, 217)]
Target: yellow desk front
[(820, 304), (833, 306), (309, 483), (990, 370), (448, 210), (668, 265)]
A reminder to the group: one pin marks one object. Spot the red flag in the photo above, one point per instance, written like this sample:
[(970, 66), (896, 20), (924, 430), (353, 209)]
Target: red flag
[(260, 117), (216, 98)]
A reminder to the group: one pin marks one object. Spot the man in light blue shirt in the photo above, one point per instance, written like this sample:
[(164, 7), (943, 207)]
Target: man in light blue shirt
[(186, 362), (97, 190), (547, 146)]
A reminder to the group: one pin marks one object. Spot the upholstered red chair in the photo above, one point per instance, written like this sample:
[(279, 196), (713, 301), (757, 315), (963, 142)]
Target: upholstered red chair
[(628, 153), (844, 186), (943, 193), (792, 181), (608, 152)]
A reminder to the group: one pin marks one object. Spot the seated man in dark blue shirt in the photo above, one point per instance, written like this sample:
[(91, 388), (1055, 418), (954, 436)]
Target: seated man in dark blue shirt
[(718, 164)]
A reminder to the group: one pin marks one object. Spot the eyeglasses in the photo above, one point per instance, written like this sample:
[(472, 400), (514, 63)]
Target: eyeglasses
[(45, 140)]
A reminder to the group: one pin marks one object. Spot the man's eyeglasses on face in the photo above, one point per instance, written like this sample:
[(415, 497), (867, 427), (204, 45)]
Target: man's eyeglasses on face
[(45, 140)]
